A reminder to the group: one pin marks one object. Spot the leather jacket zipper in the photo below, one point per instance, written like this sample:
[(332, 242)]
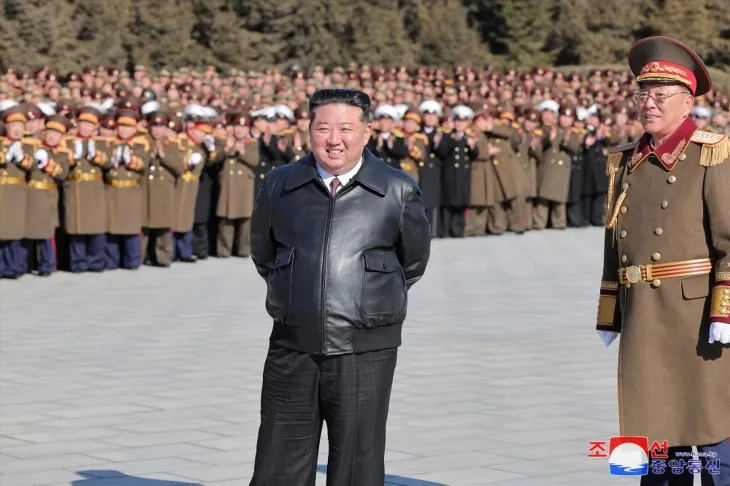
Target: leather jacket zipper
[(324, 268)]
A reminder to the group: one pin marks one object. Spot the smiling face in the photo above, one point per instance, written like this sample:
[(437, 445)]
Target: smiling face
[(662, 107), (338, 136)]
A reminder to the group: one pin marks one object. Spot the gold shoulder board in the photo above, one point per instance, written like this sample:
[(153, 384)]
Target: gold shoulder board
[(397, 132), (715, 147), (515, 125), (252, 140), (538, 132), (623, 148)]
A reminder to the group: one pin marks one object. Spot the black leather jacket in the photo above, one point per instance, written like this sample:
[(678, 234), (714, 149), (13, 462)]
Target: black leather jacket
[(338, 269)]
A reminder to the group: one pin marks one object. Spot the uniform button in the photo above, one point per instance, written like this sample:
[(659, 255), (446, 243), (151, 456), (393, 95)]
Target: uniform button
[(456, 165), (656, 282), (457, 149), (456, 157), (623, 234), (466, 149), (466, 166), (655, 257), (297, 157), (682, 156), (93, 171), (624, 258), (726, 291), (560, 162), (152, 168), (263, 164), (665, 204), (496, 162), (625, 186), (240, 172), (623, 209), (230, 172), (152, 177), (231, 162), (114, 172), (430, 166), (420, 164), (432, 156), (671, 179), (261, 176), (658, 231)]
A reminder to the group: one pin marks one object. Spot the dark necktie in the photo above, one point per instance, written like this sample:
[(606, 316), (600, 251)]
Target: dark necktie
[(334, 185)]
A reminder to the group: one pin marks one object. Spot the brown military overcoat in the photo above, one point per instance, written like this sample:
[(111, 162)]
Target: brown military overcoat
[(237, 181), (497, 178), (123, 189), (158, 186), (528, 158), (553, 171), (417, 148), (42, 212), (186, 187), (13, 191), (665, 207), (84, 194)]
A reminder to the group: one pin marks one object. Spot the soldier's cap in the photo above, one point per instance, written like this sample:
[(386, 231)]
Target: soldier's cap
[(462, 112), (58, 123), (411, 114), (47, 109), (430, 107), (238, 119), (90, 113), (533, 115), (127, 117), (12, 112), (108, 122), (551, 105), (702, 112), (32, 112), (666, 60), (567, 110), (157, 118), (386, 111), (302, 111), (130, 103)]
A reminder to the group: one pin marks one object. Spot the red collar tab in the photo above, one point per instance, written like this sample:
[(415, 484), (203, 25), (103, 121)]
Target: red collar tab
[(668, 152)]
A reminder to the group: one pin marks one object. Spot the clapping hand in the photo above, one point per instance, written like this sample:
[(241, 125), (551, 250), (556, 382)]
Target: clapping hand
[(719, 333), (492, 151), (14, 153), (282, 144), (117, 157), (472, 141), (553, 132), (209, 143), (126, 155), (437, 138), (78, 149), (90, 150), (41, 158)]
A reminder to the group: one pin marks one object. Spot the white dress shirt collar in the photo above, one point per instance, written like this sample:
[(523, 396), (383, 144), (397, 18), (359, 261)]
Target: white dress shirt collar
[(344, 178)]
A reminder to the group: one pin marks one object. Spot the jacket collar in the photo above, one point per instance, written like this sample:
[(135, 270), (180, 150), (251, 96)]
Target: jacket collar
[(670, 151), (371, 175)]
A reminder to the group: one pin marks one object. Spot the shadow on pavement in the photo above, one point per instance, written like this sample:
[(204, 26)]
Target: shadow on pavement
[(116, 478), (394, 480)]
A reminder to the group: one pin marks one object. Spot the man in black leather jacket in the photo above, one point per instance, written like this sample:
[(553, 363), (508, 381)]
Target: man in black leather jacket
[(339, 237)]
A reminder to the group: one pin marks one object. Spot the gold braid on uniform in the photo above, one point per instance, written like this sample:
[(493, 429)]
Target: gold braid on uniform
[(612, 166), (715, 147)]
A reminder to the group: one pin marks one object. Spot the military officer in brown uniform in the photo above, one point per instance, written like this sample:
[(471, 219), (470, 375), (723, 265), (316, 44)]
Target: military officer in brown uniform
[(560, 143), (129, 152), (497, 180), (165, 164), (84, 195), (300, 140), (53, 162), (529, 151), (666, 272), (416, 145), (235, 200), (16, 161)]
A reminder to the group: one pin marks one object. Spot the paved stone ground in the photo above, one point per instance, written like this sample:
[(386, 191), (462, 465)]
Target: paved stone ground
[(152, 378)]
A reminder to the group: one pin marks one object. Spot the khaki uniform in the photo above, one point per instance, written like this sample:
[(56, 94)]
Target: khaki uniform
[(303, 149), (159, 199), (235, 201), (14, 190), (186, 187), (553, 175), (497, 185), (123, 189), (416, 155), (669, 207), (84, 194), (42, 211), (528, 158)]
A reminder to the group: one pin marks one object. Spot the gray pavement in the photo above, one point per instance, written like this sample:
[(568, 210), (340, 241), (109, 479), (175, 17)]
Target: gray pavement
[(152, 378)]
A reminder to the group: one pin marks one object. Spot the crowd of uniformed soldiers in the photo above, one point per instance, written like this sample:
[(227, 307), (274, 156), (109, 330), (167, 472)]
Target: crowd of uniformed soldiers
[(157, 168)]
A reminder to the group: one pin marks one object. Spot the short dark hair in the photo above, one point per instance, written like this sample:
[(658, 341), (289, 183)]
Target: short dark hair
[(340, 96)]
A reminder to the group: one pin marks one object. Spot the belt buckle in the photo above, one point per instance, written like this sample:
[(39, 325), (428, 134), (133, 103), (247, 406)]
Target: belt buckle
[(633, 274)]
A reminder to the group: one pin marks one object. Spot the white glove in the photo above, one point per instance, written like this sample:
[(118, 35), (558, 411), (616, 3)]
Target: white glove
[(41, 158), (116, 157), (719, 333), (15, 152), (78, 149), (607, 337), (209, 143), (90, 150), (126, 155), (195, 159)]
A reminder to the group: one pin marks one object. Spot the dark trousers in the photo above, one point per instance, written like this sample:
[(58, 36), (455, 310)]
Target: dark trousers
[(434, 219), (201, 240), (594, 209), (10, 266), (453, 222), (123, 251), (38, 255), (182, 249), (575, 215), (87, 253), (350, 393), (715, 467)]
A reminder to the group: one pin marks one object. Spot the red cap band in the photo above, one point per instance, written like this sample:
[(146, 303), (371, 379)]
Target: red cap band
[(668, 71)]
